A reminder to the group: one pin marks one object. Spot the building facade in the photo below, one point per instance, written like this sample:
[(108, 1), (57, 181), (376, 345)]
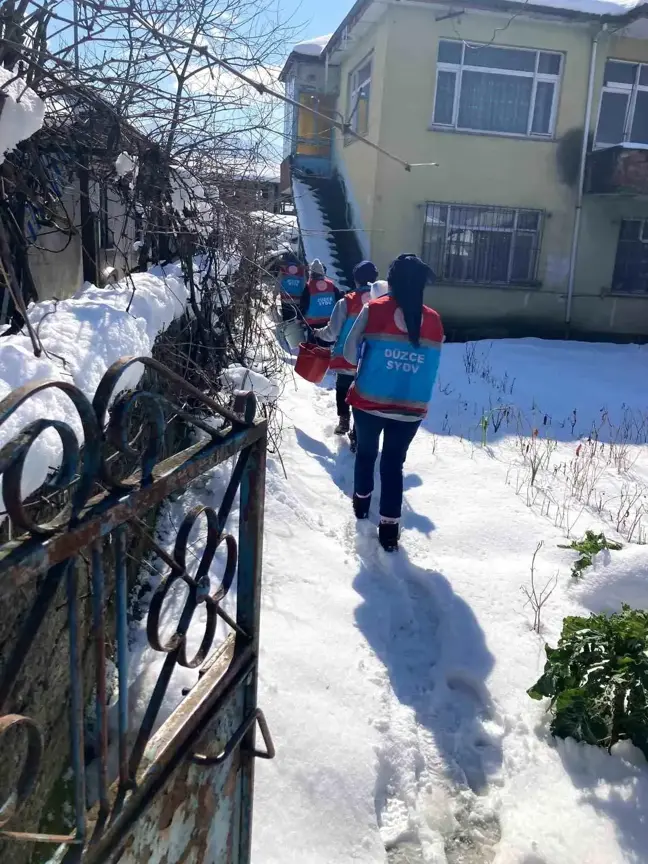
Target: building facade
[(532, 225)]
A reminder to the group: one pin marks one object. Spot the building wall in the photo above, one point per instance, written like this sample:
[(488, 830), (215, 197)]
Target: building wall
[(357, 163), (56, 261), (491, 170), (119, 256)]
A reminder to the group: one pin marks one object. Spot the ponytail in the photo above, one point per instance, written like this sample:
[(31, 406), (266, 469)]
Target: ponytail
[(407, 278)]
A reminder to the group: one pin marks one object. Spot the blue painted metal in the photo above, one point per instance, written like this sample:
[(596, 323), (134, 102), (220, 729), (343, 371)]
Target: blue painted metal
[(122, 650), (318, 165), (76, 700), (99, 634), (100, 510)]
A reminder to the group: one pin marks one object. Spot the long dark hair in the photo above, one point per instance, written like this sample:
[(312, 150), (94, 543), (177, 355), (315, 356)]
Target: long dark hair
[(407, 278)]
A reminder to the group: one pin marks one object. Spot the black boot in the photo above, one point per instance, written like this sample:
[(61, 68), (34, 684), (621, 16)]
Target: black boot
[(353, 441), (361, 506), (388, 533), (343, 426)]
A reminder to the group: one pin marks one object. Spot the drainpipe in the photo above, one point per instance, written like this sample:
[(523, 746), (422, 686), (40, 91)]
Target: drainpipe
[(581, 181)]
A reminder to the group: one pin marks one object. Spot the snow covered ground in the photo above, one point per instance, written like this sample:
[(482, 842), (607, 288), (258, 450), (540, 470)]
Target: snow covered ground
[(395, 686)]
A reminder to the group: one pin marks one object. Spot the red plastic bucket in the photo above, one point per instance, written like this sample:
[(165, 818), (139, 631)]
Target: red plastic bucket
[(312, 362)]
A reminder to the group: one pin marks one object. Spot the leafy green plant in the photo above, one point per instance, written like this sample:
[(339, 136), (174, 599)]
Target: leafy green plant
[(589, 546), (597, 679)]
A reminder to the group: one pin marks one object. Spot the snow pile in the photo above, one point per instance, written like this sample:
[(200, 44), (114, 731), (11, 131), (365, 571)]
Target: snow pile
[(240, 378), (81, 338), (124, 164), (315, 233), (189, 200), (312, 47), (22, 112)]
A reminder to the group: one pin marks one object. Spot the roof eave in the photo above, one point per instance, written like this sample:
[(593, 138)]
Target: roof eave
[(508, 6), (295, 57)]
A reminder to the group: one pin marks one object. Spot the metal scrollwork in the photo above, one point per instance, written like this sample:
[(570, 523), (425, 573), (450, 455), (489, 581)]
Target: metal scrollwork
[(198, 589), (96, 510), (14, 454)]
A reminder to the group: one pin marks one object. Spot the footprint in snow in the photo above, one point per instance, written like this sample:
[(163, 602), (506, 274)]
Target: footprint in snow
[(472, 730)]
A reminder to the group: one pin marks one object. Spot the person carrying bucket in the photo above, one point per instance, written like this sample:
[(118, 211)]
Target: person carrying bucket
[(319, 296), (291, 279), (398, 342), (344, 315)]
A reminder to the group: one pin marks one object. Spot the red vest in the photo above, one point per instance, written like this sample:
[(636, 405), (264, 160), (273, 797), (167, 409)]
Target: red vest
[(354, 301), (291, 282), (322, 298), (394, 375)]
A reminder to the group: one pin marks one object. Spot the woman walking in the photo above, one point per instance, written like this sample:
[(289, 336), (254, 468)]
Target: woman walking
[(319, 296), (344, 315), (398, 340)]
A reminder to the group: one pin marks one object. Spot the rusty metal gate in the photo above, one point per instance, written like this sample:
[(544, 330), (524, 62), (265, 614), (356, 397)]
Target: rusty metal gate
[(163, 794)]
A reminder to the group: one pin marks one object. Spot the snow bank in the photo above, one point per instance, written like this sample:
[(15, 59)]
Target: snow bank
[(188, 197), (312, 47), (81, 338), (22, 113), (315, 233), (241, 378)]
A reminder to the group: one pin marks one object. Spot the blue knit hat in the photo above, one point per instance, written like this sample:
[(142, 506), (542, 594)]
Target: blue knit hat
[(365, 272)]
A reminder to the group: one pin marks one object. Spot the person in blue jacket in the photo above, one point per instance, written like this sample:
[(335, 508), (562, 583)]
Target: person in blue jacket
[(396, 341)]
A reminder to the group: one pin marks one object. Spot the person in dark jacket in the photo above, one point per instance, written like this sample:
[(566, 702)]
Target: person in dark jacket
[(344, 315), (396, 341)]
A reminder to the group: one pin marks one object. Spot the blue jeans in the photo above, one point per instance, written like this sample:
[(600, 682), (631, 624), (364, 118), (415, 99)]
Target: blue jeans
[(397, 437)]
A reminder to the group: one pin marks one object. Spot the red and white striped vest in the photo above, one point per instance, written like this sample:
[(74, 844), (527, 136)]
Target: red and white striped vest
[(394, 375)]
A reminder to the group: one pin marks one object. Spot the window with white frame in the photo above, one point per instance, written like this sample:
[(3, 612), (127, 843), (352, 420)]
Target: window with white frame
[(482, 245), (487, 88), (631, 264), (359, 94), (623, 113)]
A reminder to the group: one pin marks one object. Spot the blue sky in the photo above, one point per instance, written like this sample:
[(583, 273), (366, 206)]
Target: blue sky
[(317, 16)]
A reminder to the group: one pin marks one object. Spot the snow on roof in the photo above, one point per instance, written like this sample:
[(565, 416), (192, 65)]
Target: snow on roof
[(22, 113), (589, 7), (312, 47)]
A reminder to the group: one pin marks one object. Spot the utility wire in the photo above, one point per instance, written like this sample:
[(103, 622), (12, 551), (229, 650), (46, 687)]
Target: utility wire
[(262, 89)]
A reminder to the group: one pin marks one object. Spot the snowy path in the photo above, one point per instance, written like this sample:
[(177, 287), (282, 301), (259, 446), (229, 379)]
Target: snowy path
[(395, 685)]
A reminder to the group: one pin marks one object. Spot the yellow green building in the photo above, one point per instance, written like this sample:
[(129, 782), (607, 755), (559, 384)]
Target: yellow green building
[(524, 132)]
